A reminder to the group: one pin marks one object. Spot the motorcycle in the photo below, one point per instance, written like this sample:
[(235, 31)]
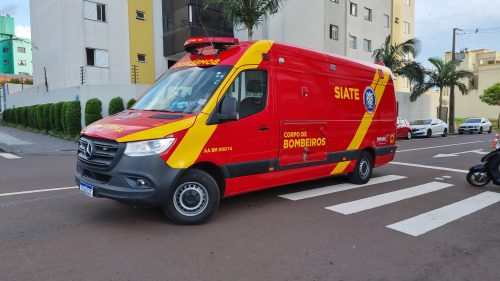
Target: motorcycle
[(488, 170)]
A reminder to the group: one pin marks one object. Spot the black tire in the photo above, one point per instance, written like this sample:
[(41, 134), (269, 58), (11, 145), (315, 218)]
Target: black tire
[(194, 198), (460, 133), (445, 133), (490, 130), (408, 136), (478, 179), (480, 130), (429, 133), (363, 170)]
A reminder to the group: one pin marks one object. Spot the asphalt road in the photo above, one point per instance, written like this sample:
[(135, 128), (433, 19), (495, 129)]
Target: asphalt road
[(64, 235)]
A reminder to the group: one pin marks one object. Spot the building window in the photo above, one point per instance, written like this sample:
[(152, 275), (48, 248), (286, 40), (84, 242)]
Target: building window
[(21, 50), (21, 62), (97, 57), (354, 9), (406, 27), (387, 21), (367, 45), (5, 50), (368, 14), (140, 15), (94, 11), (336, 1), (353, 42), (334, 32), (5, 62), (141, 57), (406, 2)]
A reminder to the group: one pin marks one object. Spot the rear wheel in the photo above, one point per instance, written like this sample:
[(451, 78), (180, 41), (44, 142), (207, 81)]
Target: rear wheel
[(408, 136), (478, 178), (194, 198), (363, 170), (445, 133), (429, 133)]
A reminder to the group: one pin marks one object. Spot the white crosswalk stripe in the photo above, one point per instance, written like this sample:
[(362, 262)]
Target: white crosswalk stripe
[(436, 218), (9, 156), (337, 188), (387, 198)]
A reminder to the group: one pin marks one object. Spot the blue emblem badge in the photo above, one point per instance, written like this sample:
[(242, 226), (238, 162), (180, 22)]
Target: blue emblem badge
[(369, 100)]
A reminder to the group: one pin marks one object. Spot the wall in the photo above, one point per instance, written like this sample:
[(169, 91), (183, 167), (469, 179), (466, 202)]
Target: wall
[(424, 107), (141, 40), (38, 95)]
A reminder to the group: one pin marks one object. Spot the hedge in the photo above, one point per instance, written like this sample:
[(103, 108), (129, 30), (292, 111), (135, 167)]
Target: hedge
[(93, 109), (52, 117), (73, 117), (57, 116), (130, 103), (63, 116), (115, 106)]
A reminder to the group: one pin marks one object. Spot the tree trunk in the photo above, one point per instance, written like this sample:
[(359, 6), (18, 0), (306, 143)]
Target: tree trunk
[(452, 110), (250, 32), (440, 108)]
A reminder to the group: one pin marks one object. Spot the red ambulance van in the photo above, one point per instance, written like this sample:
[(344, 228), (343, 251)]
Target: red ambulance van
[(233, 117)]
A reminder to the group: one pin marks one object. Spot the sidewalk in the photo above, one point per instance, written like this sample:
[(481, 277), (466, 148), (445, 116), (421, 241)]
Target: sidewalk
[(23, 142)]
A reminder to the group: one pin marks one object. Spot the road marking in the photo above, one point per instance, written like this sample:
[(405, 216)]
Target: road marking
[(431, 147), (37, 191), (9, 156), (436, 218), (477, 151), (439, 179), (337, 188), (386, 198), (447, 177), (429, 167)]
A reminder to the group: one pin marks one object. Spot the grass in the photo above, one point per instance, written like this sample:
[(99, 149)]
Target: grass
[(51, 133)]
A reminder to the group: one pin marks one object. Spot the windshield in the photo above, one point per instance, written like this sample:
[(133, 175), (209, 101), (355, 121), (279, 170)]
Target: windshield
[(184, 90), (473, 120), (421, 122)]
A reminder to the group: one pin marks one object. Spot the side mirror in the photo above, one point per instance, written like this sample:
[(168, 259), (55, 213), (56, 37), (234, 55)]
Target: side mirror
[(228, 109)]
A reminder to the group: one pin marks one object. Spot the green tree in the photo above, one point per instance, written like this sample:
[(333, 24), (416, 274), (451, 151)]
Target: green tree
[(395, 56), (443, 75), (247, 13), (491, 95)]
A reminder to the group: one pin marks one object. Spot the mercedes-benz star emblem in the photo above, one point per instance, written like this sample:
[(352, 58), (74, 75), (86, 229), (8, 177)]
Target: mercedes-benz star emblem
[(88, 150)]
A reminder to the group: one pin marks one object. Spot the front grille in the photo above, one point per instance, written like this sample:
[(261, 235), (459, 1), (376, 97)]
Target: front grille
[(414, 130), (102, 154)]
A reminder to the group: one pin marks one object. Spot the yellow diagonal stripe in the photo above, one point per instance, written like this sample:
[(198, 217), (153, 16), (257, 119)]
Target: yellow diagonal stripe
[(198, 135), (378, 85)]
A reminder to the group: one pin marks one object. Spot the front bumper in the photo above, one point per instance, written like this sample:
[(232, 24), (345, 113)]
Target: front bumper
[(419, 133), (120, 182), (468, 130)]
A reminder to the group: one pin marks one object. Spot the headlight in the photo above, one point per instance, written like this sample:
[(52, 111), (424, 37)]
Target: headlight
[(151, 147)]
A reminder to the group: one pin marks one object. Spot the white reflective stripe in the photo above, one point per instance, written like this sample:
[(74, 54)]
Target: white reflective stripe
[(428, 221), (9, 156), (337, 188), (37, 191), (387, 198)]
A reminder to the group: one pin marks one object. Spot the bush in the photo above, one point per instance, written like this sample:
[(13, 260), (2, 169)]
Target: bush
[(93, 109), (39, 116), (45, 117), (63, 116), (57, 116), (73, 118), (52, 117), (130, 103), (115, 106)]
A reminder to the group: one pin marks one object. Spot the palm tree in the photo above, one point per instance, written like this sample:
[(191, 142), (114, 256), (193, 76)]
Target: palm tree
[(247, 13), (443, 75), (395, 57)]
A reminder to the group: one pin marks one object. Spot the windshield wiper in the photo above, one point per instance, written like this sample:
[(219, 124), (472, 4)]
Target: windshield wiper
[(162, 110)]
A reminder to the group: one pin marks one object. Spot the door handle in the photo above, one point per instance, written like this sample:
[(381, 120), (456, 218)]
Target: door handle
[(263, 128)]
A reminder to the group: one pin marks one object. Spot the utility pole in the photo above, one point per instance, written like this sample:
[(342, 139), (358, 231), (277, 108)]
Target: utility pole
[(451, 120)]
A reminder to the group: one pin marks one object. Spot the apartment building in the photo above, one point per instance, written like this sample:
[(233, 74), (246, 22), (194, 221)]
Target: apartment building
[(15, 53), (485, 65), (113, 41)]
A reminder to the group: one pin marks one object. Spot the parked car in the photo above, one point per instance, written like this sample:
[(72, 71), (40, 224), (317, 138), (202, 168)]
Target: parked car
[(429, 127), (475, 125), (403, 129)]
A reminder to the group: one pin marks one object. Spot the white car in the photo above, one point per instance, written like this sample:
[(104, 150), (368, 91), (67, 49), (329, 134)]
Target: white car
[(475, 125), (429, 127)]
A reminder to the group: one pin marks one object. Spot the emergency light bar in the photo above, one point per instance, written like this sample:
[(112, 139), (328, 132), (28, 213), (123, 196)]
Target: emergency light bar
[(220, 43)]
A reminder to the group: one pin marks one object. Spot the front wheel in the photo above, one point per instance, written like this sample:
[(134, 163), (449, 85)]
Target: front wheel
[(478, 178), (480, 130), (194, 198), (408, 136), (445, 133), (429, 133), (490, 130), (363, 170)]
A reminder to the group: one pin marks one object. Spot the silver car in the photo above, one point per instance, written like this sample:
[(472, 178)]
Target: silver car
[(475, 125), (429, 127)]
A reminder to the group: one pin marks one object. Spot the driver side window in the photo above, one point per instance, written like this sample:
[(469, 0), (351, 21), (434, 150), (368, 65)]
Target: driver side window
[(250, 90)]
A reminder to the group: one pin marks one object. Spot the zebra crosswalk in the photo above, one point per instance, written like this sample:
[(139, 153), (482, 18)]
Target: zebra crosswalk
[(414, 226), (9, 156)]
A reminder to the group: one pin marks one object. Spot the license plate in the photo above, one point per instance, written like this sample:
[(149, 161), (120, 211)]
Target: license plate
[(87, 189)]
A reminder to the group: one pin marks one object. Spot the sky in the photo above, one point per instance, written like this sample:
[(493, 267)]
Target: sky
[(434, 22)]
